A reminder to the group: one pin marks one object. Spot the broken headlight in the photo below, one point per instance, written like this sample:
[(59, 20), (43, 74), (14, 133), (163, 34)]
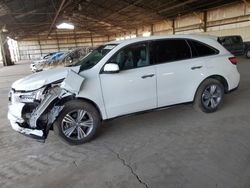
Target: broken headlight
[(28, 97)]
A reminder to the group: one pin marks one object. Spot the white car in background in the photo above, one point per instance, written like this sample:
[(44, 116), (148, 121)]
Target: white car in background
[(38, 66), (119, 78), (34, 65)]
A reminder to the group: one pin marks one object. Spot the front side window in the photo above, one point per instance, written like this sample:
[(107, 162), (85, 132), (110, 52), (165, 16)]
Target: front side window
[(170, 50), (132, 56)]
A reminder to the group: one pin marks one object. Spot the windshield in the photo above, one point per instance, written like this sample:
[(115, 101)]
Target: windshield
[(94, 57)]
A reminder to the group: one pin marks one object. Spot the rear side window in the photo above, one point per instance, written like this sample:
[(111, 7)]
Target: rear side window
[(225, 41), (200, 49), (236, 40), (170, 50)]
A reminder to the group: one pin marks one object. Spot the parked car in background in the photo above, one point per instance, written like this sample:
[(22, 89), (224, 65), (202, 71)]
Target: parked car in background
[(120, 78), (42, 59), (37, 66), (235, 45), (69, 58)]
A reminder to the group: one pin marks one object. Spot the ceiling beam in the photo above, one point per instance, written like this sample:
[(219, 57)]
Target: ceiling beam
[(86, 28), (123, 9), (98, 21), (176, 6), (247, 3), (56, 16), (31, 13)]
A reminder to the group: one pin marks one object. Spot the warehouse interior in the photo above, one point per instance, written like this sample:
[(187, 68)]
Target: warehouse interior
[(173, 147), (33, 24)]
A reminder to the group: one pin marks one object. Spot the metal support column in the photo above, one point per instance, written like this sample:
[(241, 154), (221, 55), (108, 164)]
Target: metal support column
[(205, 21), (91, 38), (173, 26), (2, 50), (152, 29), (39, 43)]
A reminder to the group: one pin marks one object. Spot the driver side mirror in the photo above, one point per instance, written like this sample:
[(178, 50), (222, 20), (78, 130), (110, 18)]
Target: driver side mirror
[(111, 68)]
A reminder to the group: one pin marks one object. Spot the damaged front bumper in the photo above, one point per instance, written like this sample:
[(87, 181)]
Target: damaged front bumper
[(16, 120), (32, 123), (37, 121)]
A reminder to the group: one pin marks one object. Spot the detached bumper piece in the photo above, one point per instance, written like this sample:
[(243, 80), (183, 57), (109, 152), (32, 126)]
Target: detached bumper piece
[(33, 133), (29, 127)]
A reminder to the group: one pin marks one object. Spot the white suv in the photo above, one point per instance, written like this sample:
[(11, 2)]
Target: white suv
[(119, 78)]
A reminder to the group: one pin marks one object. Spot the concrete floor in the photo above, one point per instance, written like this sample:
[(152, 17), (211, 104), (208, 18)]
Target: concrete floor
[(173, 148)]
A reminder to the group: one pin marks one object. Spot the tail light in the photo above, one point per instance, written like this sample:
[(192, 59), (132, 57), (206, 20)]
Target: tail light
[(233, 60)]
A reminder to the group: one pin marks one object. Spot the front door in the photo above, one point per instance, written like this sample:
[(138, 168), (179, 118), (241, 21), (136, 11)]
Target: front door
[(133, 89)]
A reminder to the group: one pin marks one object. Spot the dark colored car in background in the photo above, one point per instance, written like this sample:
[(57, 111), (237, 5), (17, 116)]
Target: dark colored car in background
[(235, 45)]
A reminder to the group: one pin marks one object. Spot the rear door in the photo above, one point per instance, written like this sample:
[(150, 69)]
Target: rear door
[(179, 70), (173, 70)]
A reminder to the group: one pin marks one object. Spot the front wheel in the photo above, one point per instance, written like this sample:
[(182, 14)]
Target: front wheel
[(209, 96), (78, 122)]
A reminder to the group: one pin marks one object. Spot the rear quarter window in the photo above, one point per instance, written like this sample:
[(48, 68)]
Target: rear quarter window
[(200, 49)]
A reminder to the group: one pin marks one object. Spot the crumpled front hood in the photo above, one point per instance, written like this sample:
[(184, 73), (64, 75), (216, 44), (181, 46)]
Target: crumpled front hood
[(40, 79)]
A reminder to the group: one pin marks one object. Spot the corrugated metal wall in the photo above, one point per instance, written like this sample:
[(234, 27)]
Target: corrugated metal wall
[(217, 24), (34, 48), (227, 20)]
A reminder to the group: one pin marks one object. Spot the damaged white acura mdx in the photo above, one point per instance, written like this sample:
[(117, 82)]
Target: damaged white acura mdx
[(119, 78)]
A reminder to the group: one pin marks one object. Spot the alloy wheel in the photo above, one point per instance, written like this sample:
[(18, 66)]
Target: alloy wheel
[(77, 124), (211, 97)]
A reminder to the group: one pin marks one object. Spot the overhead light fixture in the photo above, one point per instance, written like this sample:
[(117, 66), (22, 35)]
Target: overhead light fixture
[(65, 26), (146, 34)]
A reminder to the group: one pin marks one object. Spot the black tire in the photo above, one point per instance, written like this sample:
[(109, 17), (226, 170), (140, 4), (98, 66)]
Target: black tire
[(70, 107), (200, 100), (248, 53)]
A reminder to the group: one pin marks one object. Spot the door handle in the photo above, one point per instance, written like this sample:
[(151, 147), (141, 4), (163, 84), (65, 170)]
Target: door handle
[(196, 67), (147, 76)]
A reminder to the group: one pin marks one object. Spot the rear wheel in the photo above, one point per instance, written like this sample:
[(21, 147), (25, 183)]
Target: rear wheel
[(248, 53), (78, 122), (209, 96)]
